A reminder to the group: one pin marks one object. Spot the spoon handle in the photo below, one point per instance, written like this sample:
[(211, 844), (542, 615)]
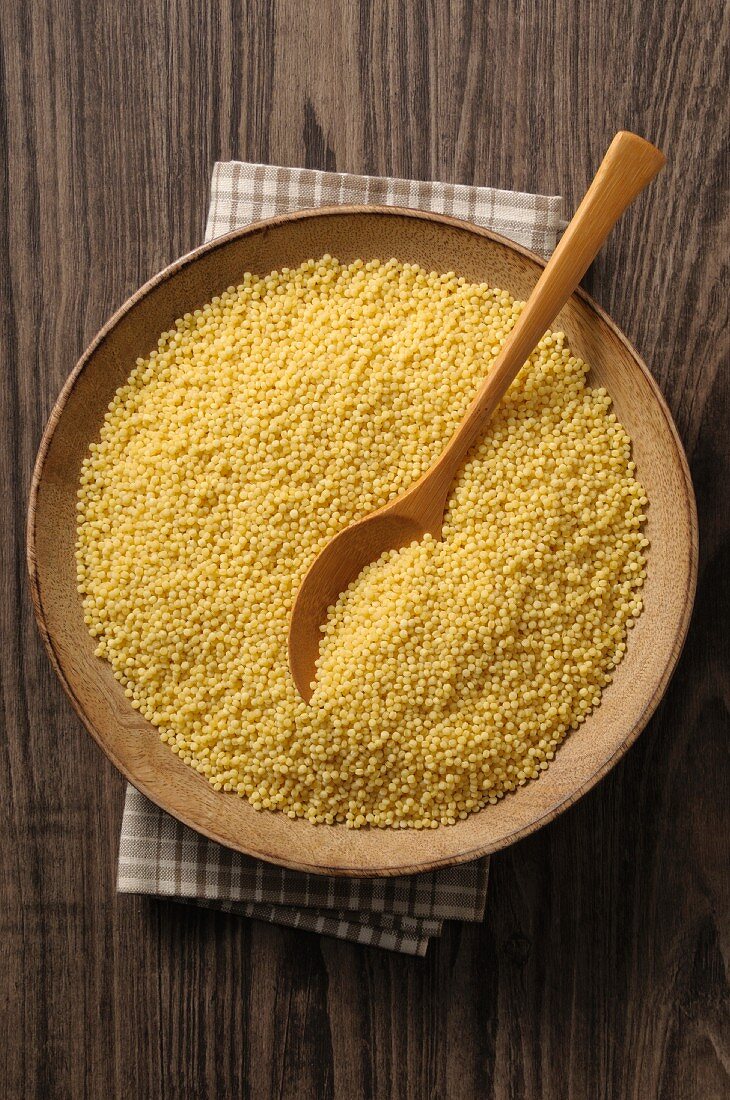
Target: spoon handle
[(628, 166)]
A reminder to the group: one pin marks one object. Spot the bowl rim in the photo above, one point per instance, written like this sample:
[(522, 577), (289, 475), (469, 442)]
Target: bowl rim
[(262, 226)]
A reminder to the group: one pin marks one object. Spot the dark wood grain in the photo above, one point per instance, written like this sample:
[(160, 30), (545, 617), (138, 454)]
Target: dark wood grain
[(600, 968)]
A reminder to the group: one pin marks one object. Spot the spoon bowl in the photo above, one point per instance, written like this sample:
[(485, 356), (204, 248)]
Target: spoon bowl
[(342, 560)]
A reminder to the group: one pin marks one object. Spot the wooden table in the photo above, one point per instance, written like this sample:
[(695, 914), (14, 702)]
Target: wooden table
[(598, 971)]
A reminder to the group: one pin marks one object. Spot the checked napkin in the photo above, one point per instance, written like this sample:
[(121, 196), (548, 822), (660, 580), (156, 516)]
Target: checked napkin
[(160, 856)]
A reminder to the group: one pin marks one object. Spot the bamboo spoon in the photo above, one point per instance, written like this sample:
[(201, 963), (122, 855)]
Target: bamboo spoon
[(628, 166)]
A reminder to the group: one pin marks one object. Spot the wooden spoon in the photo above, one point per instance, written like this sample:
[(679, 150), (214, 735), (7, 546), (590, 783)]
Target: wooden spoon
[(628, 166)]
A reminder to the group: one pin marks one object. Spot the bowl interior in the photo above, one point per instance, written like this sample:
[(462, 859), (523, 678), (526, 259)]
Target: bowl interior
[(134, 745)]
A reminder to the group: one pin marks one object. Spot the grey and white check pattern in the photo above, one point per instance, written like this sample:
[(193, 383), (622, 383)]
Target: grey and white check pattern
[(160, 856), (244, 193)]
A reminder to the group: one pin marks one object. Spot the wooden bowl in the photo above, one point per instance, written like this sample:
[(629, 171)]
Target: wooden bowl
[(133, 745)]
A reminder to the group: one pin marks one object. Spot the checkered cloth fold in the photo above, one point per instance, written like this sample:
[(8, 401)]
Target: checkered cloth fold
[(160, 856)]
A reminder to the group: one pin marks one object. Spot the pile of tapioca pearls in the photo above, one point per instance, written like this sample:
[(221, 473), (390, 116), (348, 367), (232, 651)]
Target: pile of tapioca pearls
[(260, 426)]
